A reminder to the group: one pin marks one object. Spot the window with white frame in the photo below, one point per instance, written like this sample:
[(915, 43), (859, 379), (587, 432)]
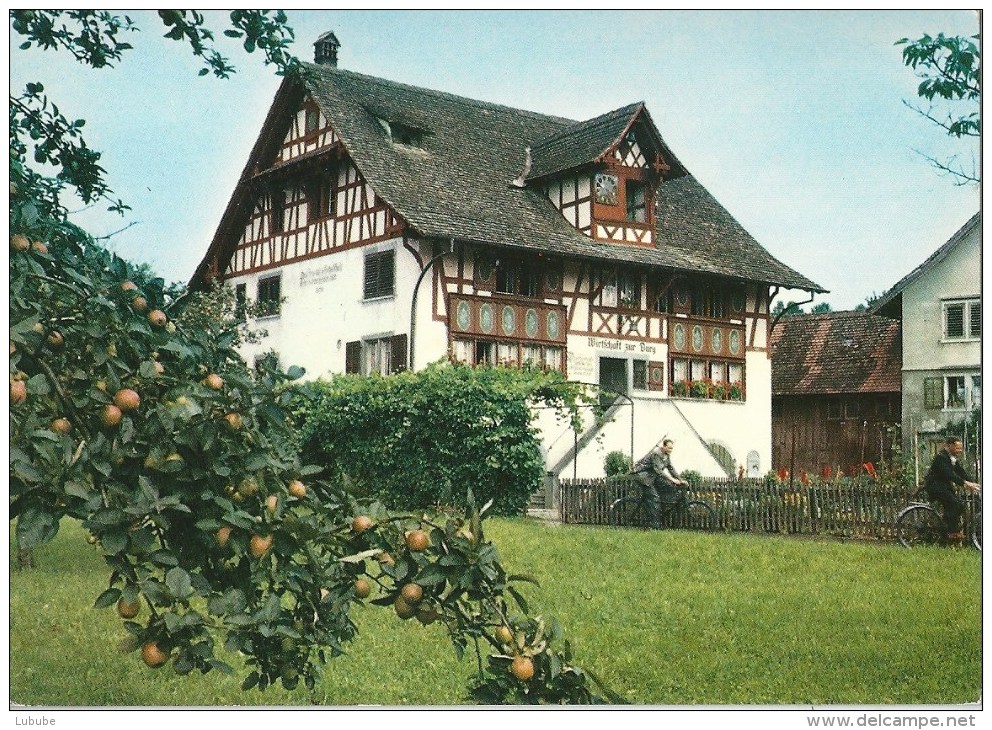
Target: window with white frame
[(382, 354), (699, 369), (735, 373), (378, 356), (640, 375), (962, 319), (518, 276), (620, 289), (509, 353), (269, 295), (952, 392), (637, 209)]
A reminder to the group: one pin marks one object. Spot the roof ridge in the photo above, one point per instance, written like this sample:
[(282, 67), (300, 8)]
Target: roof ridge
[(579, 125), (930, 260), (469, 101), (836, 313)]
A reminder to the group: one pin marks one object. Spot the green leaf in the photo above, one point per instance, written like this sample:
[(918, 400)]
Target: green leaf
[(114, 541), (35, 527), (521, 601), (108, 598), (77, 489), (172, 622), (164, 558), (220, 666), (431, 576), (38, 385), (179, 583), (525, 578)]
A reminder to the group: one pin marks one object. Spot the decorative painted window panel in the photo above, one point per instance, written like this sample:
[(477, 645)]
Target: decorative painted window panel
[(701, 338), (491, 316), (607, 189)]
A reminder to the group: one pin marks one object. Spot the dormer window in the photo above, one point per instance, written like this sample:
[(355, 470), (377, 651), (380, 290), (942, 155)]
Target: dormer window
[(405, 134), (402, 134)]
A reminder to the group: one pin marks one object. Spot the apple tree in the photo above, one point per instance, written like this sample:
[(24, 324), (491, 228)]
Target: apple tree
[(132, 412)]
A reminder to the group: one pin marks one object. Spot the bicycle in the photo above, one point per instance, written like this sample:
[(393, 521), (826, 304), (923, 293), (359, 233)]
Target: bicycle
[(684, 513), (921, 523)]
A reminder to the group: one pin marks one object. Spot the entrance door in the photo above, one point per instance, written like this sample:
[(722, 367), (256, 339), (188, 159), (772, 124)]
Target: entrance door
[(612, 379)]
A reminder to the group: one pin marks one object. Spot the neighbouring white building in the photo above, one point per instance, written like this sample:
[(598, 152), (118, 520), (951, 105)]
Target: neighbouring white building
[(939, 304), (399, 225)]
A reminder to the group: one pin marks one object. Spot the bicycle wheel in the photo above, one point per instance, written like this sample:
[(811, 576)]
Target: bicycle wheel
[(976, 530), (699, 516), (919, 525), (628, 512)]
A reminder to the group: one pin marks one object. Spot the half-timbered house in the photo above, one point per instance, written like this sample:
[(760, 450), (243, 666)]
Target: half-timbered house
[(391, 226)]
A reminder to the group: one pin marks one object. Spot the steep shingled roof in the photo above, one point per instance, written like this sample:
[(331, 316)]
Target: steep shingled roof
[(838, 352), (456, 183), (583, 142)]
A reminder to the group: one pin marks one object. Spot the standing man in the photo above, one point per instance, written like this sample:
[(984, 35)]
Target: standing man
[(659, 479), (946, 471)]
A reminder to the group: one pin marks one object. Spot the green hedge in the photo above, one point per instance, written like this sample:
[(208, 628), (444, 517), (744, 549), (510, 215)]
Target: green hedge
[(422, 439)]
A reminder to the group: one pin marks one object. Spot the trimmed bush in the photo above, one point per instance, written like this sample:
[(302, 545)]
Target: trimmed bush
[(617, 463), (422, 439)]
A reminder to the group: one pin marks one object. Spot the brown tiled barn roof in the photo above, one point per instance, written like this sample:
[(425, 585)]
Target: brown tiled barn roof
[(839, 352)]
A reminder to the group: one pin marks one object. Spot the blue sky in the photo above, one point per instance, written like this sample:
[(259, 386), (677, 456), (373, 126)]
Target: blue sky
[(794, 120)]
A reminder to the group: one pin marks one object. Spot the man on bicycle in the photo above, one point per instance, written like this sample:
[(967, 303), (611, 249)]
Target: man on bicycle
[(945, 471), (660, 481)]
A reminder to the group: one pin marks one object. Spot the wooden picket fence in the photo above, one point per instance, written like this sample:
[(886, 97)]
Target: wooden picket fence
[(851, 509)]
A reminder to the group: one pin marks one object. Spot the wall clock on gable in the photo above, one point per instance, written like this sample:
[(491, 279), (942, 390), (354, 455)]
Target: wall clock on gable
[(606, 187)]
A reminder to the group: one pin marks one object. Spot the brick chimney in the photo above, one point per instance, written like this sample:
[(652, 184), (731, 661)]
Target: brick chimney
[(325, 49)]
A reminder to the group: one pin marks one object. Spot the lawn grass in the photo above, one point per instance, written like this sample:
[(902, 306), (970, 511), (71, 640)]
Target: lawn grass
[(664, 618)]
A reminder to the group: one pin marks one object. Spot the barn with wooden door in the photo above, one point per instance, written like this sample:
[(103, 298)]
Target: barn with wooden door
[(836, 390)]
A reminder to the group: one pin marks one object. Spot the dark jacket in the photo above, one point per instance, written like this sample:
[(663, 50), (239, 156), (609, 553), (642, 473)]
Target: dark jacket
[(653, 465), (943, 475)]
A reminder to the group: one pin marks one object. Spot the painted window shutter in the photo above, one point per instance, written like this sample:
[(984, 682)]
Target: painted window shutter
[(656, 375), (397, 350), (353, 357), (933, 393)]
